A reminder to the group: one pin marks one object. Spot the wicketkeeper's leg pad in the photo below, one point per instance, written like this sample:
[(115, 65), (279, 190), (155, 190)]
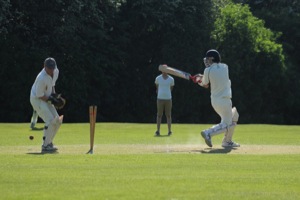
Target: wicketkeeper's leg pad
[(34, 119), (47, 134), (51, 130), (57, 125)]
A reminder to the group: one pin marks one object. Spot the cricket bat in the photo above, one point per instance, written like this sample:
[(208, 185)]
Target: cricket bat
[(173, 71)]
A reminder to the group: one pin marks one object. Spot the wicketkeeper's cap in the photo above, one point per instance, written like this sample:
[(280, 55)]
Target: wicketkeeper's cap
[(50, 63)]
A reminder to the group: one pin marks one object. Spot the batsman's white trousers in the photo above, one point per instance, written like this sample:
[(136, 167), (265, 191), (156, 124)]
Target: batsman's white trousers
[(223, 106)]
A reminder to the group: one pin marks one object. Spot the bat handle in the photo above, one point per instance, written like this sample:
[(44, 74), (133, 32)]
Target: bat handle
[(193, 78)]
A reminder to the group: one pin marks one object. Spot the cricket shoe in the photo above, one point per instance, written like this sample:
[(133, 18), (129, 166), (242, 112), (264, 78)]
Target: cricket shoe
[(207, 138), (157, 133), (52, 145), (230, 144), (170, 133), (48, 149), (32, 125)]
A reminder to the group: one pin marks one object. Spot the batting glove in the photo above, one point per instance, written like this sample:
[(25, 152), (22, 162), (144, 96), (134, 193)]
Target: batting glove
[(196, 78)]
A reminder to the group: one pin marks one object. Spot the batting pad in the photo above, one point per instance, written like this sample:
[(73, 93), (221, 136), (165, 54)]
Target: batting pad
[(222, 127), (235, 115), (229, 133), (216, 129)]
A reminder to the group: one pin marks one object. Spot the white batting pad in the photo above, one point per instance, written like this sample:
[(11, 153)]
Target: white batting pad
[(223, 128), (235, 115), (216, 129)]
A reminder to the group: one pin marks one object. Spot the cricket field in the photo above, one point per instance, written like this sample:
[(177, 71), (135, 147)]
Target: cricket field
[(130, 163)]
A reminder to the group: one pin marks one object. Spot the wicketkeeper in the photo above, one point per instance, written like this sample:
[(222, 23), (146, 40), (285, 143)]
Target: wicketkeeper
[(35, 116), (44, 100), (216, 76)]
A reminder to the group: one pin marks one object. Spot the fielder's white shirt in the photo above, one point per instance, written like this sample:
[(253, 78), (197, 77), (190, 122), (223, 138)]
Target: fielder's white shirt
[(42, 85), (164, 87), (217, 76)]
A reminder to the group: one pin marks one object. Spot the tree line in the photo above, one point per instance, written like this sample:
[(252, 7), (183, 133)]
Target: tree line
[(108, 52)]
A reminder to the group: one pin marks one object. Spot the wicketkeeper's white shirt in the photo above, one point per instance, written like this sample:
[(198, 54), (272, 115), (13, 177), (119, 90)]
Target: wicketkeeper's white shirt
[(42, 85), (55, 76), (164, 87), (218, 76)]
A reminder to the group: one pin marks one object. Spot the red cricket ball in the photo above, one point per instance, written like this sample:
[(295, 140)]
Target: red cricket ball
[(31, 137)]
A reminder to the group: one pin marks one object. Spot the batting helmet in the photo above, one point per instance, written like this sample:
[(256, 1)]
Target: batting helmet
[(215, 54)]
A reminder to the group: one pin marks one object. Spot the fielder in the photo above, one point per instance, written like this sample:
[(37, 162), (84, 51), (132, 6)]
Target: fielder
[(216, 76), (164, 85), (34, 117), (43, 102)]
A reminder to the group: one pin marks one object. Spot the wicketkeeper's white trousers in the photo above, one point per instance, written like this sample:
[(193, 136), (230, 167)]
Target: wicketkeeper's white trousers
[(49, 115)]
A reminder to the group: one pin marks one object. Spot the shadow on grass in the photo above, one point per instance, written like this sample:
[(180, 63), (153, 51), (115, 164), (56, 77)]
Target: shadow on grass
[(41, 153), (216, 151), (158, 136), (202, 151), (37, 129)]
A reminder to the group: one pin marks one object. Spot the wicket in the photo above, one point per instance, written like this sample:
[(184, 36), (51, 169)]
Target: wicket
[(93, 115)]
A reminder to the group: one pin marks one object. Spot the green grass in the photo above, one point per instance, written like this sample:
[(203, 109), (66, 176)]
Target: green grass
[(129, 163)]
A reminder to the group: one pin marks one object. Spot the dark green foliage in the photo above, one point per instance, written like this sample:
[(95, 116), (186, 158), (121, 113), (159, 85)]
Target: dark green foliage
[(77, 35), (258, 67), (284, 16), (108, 54), (172, 32), (4, 16)]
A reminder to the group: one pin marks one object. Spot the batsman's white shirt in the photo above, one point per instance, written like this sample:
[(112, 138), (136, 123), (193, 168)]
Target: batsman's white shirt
[(164, 87), (218, 76)]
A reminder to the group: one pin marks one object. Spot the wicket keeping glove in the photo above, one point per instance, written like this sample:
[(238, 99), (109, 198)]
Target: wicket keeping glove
[(58, 101)]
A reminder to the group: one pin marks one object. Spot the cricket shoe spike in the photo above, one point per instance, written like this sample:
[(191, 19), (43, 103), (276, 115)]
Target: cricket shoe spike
[(230, 144), (207, 138)]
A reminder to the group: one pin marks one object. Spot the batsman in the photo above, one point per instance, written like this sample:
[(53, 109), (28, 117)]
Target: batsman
[(216, 77), (45, 102)]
